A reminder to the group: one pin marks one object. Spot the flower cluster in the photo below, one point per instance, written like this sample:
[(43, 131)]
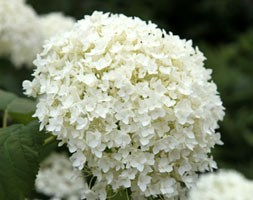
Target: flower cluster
[(58, 179), (53, 23), (225, 185), (133, 104), (22, 31)]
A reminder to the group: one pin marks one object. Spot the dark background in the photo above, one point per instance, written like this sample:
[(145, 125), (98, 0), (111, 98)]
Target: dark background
[(223, 30)]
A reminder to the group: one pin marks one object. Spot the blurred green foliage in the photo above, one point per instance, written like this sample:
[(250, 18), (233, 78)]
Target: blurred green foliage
[(223, 29), (214, 21), (232, 66), (11, 78)]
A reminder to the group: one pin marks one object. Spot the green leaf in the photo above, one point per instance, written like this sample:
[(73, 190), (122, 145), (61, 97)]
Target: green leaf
[(5, 99), (21, 105), (19, 109), (19, 160)]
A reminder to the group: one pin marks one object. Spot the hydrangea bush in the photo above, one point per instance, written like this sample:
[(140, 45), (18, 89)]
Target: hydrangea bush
[(225, 185), (134, 105)]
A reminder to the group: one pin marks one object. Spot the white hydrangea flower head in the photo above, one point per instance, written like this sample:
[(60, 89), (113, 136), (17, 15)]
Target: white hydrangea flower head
[(18, 31), (22, 31), (58, 179), (133, 104), (223, 185), (55, 23)]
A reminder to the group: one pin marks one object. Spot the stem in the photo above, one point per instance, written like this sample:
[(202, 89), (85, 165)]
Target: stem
[(111, 192), (92, 178), (5, 118), (49, 140), (127, 194)]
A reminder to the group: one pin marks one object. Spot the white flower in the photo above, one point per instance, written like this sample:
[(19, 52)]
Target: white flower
[(58, 179), (22, 31), (54, 23), (143, 181), (19, 31), (78, 159), (133, 103), (223, 185)]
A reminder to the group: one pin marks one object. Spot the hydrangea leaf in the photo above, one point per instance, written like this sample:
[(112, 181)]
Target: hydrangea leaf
[(6, 98), (19, 109), (19, 159)]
